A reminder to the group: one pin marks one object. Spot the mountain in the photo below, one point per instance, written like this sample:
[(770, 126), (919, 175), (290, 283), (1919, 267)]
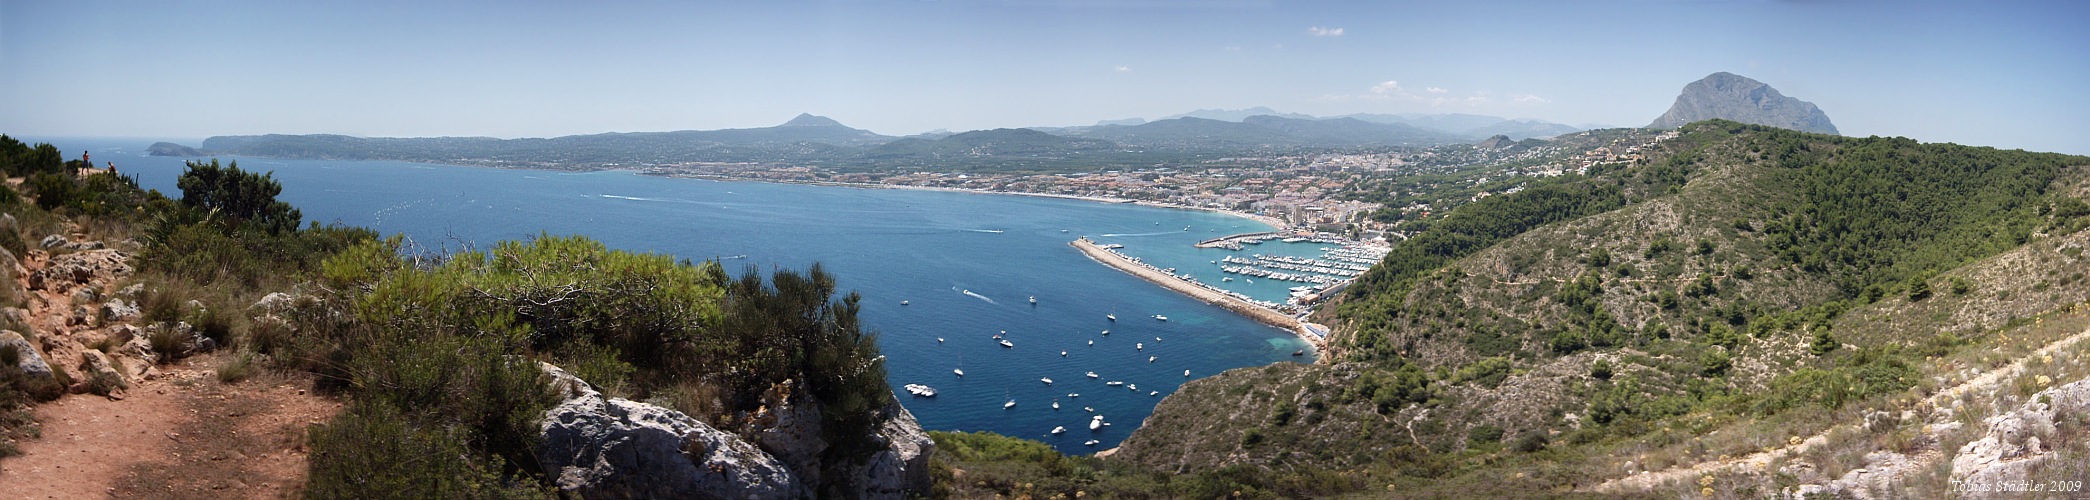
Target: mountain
[(805, 138), (1265, 131), (1496, 142), (1001, 142), (1728, 96), (1125, 122), (1235, 115), (1522, 129), (1473, 126)]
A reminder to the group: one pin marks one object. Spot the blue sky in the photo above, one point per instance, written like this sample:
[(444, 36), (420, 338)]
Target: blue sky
[(2006, 74)]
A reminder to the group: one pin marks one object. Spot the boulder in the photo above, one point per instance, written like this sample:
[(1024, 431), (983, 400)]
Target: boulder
[(26, 356), (53, 241), (2012, 448), (274, 303), (86, 296), (131, 292), (597, 447), (117, 310), (901, 469), (96, 365)]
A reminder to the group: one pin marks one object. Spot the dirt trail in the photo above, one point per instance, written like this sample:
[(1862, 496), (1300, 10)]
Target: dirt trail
[(179, 435), (1989, 380)]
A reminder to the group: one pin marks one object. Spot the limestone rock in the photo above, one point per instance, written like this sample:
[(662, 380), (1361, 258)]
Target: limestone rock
[(597, 447), (69, 270), (790, 431), (26, 356), (274, 303), (53, 241), (97, 365), (901, 469), (2011, 449), (116, 310)]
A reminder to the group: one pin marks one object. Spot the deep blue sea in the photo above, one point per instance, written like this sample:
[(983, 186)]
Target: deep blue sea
[(965, 263)]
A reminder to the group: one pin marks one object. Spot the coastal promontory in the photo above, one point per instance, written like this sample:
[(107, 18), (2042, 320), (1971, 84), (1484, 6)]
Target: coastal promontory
[(172, 149)]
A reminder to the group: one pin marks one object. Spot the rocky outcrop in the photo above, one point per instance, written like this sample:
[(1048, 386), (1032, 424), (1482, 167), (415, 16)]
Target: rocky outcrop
[(67, 271), (1733, 97), (26, 356), (901, 468), (598, 447), (2013, 447)]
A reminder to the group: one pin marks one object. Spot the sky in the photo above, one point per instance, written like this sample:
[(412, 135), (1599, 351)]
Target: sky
[(2006, 74)]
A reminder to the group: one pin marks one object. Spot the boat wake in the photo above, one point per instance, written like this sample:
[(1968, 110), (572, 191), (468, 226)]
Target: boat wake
[(990, 231), (976, 296), (635, 198), (1117, 235)]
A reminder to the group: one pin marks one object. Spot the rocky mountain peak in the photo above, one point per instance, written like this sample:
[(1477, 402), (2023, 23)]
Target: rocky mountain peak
[(1734, 97)]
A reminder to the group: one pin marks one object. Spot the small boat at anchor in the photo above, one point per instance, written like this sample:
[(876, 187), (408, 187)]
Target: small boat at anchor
[(1092, 374), (1060, 429), (1047, 381), (920, 390), (1160, 317), (1005, 343)]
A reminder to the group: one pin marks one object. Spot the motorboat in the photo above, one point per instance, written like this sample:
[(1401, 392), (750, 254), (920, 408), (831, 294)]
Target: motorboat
[(920, 390), (1047, 381)]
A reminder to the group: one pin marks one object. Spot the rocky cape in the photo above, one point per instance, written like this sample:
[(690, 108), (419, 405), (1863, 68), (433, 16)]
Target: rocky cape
[(1734, 97)]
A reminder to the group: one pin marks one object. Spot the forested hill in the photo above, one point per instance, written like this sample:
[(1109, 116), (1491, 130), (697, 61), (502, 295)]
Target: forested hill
[(1758, 282)]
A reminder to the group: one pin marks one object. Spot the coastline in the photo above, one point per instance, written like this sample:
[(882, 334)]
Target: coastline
[(1274, 223), (1238, 306)]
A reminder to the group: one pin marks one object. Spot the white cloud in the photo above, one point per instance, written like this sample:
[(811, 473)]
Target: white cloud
[(1387, 87), (1477, 99), (1531, 98), (1435, 90), (1124, 69), (1324, 32)]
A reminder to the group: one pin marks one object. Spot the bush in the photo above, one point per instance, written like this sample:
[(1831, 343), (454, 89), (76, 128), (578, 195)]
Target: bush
[(1714, 362), (1601, 370), (1823, 343), (1484, 434), (374, 451), (1532, 442), (244, 198)]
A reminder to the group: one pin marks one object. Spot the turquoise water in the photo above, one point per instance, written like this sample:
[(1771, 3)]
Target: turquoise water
[(927, 248)]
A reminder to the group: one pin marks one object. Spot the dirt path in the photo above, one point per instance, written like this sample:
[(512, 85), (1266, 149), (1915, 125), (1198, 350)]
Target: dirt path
[(180, 435), (1989, 380)]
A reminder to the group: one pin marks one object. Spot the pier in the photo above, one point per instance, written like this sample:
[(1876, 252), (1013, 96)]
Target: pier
[(1209, 296)]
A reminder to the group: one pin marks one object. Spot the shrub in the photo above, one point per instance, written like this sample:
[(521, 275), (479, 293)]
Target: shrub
[(374, 451), (1484, 434), (1823, 343), (1714, 362), (1601, 370), (236, 368), (1532, 442)]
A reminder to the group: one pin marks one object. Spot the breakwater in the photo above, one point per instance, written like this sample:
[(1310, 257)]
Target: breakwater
[(1231, 303)]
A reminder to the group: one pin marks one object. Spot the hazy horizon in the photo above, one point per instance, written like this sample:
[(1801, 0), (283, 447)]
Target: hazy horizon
[(1997, 75)]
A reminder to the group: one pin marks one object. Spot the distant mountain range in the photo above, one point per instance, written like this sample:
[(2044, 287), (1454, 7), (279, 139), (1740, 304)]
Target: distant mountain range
[(1734, 97), (1463, 127), (820, 141)]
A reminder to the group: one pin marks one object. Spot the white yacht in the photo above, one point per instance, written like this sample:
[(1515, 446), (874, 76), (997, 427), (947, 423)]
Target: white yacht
[(921, 390), (1060, 429), (1047, 381), (1005, 343), (1160, 317), (1092, 374)]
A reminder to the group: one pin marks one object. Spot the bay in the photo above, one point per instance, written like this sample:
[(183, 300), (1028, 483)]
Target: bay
[(966, 264)]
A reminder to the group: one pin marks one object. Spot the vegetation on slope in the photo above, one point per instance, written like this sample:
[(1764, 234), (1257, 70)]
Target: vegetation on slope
[(1741, 279)]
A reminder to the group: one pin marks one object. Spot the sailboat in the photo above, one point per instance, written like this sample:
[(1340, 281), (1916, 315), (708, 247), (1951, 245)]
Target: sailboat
[(960, 370), (1111, 316), (1010, 404)]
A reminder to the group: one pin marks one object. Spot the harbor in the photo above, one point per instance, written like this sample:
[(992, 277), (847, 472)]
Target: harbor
[(1260, 311)]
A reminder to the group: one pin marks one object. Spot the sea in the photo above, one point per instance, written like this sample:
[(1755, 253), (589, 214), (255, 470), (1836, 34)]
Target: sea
[(941, 273)]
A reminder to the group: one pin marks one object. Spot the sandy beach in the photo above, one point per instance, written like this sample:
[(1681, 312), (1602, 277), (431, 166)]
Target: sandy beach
[(1242, 307)]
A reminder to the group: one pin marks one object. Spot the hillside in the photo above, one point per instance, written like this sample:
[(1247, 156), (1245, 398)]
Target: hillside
[(806, 138), (1727, 96), (1264, 132), (1742, 286)]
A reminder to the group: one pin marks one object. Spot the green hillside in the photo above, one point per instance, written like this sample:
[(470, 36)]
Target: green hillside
[(1740, 286)]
